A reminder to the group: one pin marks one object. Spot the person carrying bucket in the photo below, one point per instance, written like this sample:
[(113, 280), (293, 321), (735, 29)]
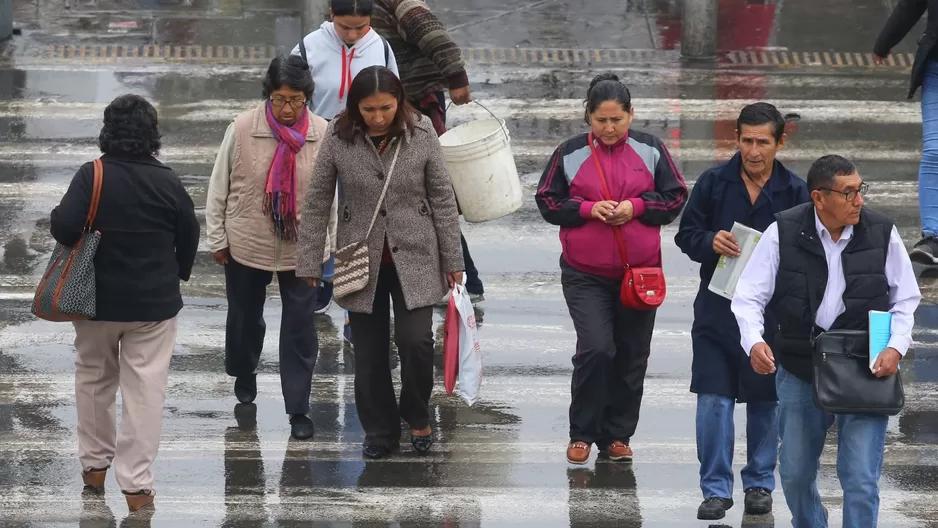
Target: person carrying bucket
[(336, 52), (427, 67)]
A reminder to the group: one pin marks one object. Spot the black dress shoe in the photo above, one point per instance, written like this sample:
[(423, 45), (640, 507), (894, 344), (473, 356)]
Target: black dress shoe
[(758, 501), (374, 452), (246, 388), (301, 427), (422, 444), (713, 508)]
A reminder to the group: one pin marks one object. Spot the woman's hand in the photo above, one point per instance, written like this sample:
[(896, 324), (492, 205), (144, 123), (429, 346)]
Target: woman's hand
[(622, 214), (221, 256), (604, 210), (454, 278)]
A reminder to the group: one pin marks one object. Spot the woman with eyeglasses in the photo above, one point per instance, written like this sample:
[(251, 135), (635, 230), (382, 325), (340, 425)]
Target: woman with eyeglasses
[(252, 216)]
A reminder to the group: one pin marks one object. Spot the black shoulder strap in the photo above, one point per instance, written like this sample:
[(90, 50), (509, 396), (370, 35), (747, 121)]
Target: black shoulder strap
[(387, 52), (303, 51)]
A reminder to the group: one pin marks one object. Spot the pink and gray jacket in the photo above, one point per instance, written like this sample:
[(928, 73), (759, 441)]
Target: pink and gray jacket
[(639, 169)]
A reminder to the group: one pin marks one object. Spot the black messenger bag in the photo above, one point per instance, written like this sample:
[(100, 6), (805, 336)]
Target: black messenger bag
[(843, 382)]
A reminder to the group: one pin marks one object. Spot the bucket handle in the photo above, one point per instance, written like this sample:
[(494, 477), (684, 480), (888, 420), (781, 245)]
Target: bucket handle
[(497, 120)]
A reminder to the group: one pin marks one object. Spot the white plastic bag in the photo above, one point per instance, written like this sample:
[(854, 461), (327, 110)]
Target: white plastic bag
[(470, 355)]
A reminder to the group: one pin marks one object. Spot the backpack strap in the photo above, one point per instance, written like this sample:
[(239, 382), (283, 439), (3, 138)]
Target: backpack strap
[(387, 52), (303, 51)]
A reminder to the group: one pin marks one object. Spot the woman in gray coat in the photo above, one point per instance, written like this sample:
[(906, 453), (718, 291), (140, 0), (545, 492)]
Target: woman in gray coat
[(414, 252)]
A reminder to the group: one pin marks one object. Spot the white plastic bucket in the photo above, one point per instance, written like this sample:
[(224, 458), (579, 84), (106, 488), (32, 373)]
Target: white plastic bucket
[(485, 178)]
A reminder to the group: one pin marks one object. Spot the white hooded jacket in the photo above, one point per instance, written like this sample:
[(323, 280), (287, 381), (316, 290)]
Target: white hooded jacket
[(333, 65)]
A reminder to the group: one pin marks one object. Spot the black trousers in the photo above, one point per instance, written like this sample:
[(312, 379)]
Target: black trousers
[(246, 289), (613, 344), (375, 400)]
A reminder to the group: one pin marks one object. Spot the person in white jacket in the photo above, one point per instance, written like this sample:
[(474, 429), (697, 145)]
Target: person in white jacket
[(336, 52)]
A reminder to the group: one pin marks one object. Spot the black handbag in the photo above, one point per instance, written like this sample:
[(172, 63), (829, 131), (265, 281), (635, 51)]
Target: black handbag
[(843, 382)]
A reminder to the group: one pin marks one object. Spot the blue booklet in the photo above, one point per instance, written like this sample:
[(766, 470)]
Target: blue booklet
[(880, 332)]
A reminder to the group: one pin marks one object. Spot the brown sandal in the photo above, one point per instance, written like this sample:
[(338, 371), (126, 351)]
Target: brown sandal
[(139, 499), (94, 479)]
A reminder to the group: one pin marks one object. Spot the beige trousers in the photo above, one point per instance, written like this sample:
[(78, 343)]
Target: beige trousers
[(134, 357)]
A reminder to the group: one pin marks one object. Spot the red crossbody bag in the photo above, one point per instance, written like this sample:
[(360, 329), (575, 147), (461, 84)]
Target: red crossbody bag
[(642, 288)]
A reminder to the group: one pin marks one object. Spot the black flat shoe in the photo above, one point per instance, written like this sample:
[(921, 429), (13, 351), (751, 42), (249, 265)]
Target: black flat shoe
[(301, 427), (713, 508), (758, 501), (422, 444), (245, 388), (375, 452)]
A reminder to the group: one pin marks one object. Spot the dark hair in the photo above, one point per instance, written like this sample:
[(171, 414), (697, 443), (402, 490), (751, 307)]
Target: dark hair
[(606, 87), (290, 71), (825, 170), (759, 114), (351, 7), (370, 81), (130, 128)]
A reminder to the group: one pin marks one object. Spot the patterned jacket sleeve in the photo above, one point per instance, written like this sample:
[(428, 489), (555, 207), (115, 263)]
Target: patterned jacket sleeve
[(419, 26)]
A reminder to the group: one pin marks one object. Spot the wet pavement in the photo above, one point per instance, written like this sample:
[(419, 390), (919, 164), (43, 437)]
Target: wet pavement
[(500, 462)]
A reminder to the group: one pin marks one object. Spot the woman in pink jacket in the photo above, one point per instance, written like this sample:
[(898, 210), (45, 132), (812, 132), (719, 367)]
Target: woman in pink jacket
[(645, 191)]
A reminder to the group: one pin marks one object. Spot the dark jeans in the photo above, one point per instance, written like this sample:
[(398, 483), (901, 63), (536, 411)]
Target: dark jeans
[(375, 400), (246, 289), (613, 345), (473, 282)]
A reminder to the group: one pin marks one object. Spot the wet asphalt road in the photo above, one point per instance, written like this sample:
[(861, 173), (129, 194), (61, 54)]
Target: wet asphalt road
[(500, 462)]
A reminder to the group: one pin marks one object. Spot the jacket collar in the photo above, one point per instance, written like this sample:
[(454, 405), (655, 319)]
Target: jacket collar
[(147, 160), (780, 179), (260, 128)]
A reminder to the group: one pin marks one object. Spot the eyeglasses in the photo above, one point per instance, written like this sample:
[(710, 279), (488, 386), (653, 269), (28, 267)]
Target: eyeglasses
[(295, 103), (850, 195)]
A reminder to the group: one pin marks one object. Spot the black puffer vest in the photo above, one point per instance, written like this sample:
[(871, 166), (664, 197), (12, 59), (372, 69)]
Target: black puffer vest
[(802, 269)]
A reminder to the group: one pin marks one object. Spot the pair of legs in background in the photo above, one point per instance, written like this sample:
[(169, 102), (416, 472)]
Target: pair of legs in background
[(613, 345), (246, 289), (377, 405), (926, 250), (861, 443), (135, 358)]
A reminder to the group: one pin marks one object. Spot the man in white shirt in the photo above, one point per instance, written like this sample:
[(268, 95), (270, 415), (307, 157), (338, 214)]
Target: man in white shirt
[(807, 258)]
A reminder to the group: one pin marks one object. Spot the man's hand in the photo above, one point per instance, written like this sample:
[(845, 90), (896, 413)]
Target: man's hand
[(311, 282), (763, 362), (887, 363), (460, 96), (622, 214), (221, 256), (604, 210), (724, 243), (879, 60)]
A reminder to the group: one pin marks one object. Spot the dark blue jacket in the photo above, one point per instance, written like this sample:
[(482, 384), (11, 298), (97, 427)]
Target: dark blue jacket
[(719, 198)]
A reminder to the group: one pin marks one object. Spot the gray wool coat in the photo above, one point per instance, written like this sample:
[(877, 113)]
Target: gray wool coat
[(419, 216)]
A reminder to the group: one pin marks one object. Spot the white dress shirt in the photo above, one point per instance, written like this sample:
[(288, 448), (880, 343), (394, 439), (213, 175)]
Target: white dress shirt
[(757, 285)]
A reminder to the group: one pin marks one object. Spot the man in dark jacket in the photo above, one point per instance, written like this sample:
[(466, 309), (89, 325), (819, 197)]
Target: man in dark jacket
[(925, 74), (801, 267), (429, 62), (749, 189)]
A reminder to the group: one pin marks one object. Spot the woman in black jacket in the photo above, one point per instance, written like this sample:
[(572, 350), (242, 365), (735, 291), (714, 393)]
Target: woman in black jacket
[(149, 238)]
